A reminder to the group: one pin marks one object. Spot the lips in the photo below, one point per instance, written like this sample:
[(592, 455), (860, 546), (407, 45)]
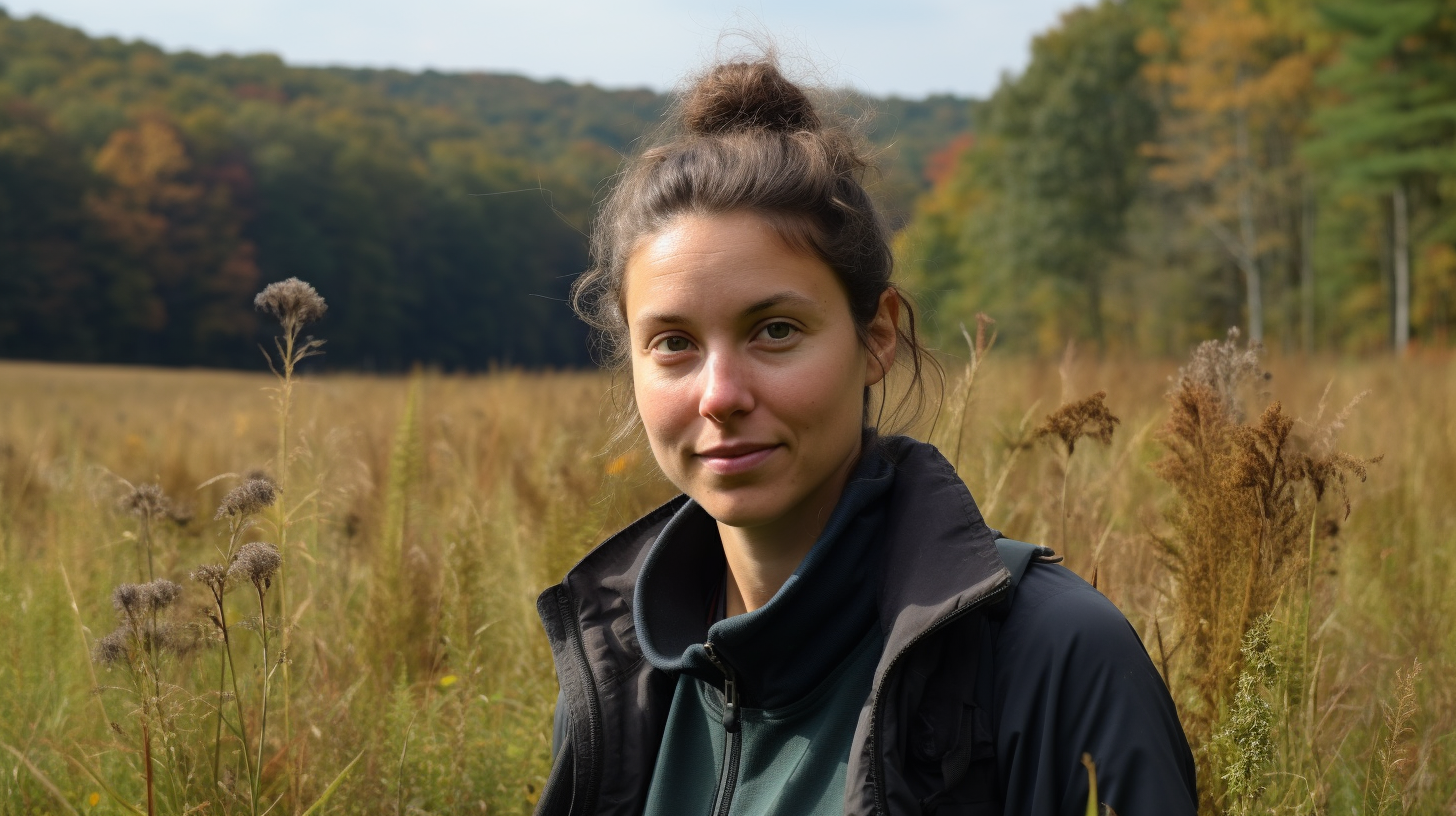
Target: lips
[(728, 460)]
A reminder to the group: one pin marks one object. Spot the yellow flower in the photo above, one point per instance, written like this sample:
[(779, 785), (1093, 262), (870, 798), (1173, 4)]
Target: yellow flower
[(93, 800), (448, 680)]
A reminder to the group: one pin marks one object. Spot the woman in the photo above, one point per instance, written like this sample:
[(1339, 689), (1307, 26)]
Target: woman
[(822, 623)]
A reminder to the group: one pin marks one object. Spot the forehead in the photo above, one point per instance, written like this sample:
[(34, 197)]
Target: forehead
[(720, 263)]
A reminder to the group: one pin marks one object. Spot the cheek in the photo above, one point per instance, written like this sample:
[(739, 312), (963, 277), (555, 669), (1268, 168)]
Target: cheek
[(665, 405), (822, 397)]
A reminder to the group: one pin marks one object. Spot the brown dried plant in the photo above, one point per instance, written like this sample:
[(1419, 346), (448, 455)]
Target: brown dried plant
[(1084, 419), (1246, 495), (978, 347), (1393, 754)]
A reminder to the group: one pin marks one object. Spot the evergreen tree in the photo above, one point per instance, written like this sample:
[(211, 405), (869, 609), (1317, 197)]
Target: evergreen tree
[(1392, 127)]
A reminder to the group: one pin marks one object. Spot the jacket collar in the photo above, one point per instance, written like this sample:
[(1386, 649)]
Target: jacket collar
[(783, 650), (939, 556)]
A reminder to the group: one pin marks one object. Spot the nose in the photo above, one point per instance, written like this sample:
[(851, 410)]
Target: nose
[(726, 389)]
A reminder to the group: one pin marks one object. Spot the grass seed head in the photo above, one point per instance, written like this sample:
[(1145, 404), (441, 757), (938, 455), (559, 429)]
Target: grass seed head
[(292, 302), (248, 498), (146, 501), (1088, 418), (1221, 366), (256, 562)]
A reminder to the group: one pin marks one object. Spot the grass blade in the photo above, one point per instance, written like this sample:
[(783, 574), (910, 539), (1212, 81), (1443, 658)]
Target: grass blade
[(40, 777), (95, 777), (329, 791)]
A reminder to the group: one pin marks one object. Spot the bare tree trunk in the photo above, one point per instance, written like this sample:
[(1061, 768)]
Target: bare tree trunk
[(1248, 236), (1401, 251), (1306, 269)]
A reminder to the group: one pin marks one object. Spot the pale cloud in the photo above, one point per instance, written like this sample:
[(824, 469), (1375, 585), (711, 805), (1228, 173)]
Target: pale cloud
[(911, 48)]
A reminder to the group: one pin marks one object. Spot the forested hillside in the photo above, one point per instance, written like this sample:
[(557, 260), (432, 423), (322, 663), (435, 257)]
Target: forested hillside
[(1168, 168), (145, 195)]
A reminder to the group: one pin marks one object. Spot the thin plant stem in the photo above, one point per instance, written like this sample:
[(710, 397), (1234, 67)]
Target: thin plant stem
[(238, 700), (285, 407), (1066, 470), (263, 723), (147, 761), (146, 543), (221, 689)]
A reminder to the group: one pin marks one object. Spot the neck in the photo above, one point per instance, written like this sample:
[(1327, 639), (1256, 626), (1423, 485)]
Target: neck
[(761, 559)]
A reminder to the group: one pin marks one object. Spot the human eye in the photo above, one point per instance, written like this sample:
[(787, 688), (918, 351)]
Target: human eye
[(672, 344), (779, 331)]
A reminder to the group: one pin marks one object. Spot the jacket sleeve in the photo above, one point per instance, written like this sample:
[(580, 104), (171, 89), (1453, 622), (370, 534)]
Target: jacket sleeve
[(1073, 677)]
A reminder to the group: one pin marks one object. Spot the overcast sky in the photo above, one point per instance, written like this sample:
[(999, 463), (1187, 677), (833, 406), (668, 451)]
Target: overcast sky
[(909, 48)]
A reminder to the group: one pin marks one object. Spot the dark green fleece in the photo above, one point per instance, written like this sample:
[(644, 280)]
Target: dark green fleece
[(804, 662)]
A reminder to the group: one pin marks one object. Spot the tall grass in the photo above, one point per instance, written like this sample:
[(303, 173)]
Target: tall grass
[(427, 512)]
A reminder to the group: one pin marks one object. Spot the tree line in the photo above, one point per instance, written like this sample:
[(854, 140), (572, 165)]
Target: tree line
[(146, 195), (1164, 169)]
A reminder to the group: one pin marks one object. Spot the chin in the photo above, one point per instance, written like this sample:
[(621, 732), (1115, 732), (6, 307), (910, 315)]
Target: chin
[(740, 511)]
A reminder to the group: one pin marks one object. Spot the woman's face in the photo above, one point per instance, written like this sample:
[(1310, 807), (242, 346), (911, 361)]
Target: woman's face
[(748, 372)]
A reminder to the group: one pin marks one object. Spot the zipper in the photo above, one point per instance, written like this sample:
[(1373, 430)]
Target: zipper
[(732, 726), (594, 713), (877, 706)]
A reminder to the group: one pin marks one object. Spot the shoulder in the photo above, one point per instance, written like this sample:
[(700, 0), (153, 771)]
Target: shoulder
[(1072, 676), (1058, 630), (1053, 606)]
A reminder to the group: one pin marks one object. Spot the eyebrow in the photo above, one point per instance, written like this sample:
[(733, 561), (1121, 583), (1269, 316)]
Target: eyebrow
[(770, 302)]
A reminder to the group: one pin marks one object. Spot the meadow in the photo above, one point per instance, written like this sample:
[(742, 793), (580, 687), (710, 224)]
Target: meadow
[(418, 517)]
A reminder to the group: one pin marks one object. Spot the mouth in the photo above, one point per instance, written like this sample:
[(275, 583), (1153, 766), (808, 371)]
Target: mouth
[(727, 460)]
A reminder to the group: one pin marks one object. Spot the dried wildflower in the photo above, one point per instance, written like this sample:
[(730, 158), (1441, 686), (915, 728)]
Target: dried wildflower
[(129, 598), (1220, 366), (180, 514), (212, 576), (1394, 753), (114, 648), (146, 501), (256, 562), (292, 302), (160, 594), (248, 498), (1088, 418)]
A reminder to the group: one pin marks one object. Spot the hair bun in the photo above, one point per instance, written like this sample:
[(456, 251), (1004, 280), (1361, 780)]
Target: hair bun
[(739, 96)]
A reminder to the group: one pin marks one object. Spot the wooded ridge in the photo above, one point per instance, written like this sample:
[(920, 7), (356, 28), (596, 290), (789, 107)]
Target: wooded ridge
[(145, 195)]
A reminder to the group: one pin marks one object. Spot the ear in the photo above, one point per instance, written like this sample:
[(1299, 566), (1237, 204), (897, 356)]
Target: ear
[(882, 337)]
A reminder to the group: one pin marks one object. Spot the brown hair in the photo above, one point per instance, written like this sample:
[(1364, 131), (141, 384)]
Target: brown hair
[(745, 138)]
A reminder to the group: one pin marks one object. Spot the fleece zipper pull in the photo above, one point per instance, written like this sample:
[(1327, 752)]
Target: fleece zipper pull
[(730, 689)]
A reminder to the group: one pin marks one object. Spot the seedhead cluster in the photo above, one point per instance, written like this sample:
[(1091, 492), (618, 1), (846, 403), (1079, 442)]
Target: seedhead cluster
[(147, 501), (142, 634), (292, 303), (1084, 419), (1225, 369), (256, 562), (247, 499)]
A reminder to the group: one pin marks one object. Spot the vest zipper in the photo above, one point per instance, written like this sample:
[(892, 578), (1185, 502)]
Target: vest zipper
[(732, 722), (594, 713), (877, 706)]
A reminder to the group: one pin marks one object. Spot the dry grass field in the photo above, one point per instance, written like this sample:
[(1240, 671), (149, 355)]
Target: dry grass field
[(418, 517)]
